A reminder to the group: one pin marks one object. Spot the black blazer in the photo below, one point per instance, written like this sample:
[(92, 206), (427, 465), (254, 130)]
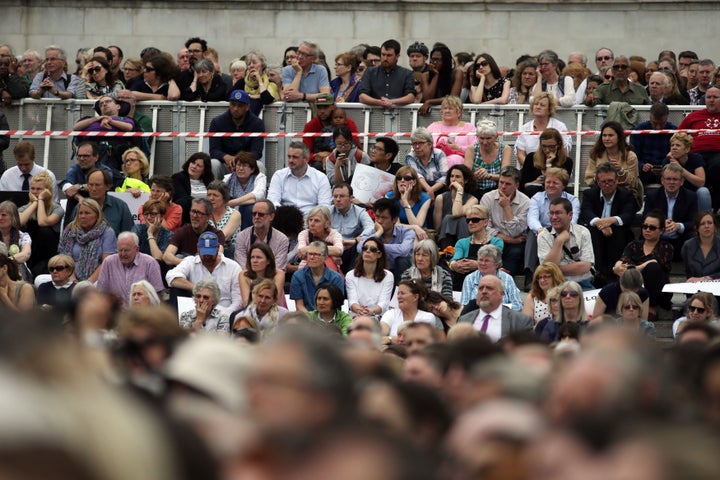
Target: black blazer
[(684, 210), (623, 206), (182, 193)]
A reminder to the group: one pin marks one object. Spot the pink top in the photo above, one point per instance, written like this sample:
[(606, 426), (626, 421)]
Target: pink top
[(334, 239), (464, 141)]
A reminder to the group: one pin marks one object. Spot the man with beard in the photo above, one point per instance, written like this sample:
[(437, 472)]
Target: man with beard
[(389, 84)]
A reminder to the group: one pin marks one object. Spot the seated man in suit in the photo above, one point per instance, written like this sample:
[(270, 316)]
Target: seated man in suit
[(608, 210), (493, 319), (678, 203)]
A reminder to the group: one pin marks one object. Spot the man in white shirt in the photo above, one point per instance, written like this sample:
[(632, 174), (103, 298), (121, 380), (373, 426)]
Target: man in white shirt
[(567, 245), (493, 319), (298, 184), (209, 263), (17, 178)]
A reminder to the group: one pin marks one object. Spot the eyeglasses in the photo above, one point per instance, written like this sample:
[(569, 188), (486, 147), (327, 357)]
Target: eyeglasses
[(475, 219), (342, 144), (546, 64), (652, 228), (149, 69), (600, 59), (202, 297), (375, 148), (198, 213), (620, 67), (259, 214), (130, 160), (693, 308), (194, 51), (304, 54), (340, 64), (407, 178), (60, 268), (549, 147), (554, 300), (569, 293), (151, 214), (484, 63), (313, 254), (435, 60), (129, 69), (94, 69), (370, 248), (418, 144), (544, 277), (55, 59), (631, 307)]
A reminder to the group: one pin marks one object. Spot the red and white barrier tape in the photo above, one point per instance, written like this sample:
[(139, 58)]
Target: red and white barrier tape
[(71, 133)]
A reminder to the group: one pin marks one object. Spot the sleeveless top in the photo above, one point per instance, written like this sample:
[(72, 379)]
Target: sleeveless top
[(541, 311), (492, 168), (495, 91)]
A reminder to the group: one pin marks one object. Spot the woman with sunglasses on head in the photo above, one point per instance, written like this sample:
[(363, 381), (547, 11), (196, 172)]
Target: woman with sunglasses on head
[(370, 285), (701, 253), (426, 269), (450, 207), (464, 259), (652, 256), (629, 308), (99, 79), (414, 203), (571, 310), (487, 157), (700, 308), (488, 85), (612, 147), (545, 277)]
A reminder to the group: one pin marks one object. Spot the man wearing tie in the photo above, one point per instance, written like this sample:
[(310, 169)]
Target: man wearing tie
[(493, 319), (17, 178)]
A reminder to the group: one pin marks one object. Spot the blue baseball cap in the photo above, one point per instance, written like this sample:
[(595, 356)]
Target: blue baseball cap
[(208, 243), (239, 96)]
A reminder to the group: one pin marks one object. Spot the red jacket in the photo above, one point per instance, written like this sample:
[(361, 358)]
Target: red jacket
[(315, 125)]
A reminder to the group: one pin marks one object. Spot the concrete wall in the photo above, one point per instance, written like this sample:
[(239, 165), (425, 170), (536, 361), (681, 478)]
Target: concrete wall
[(503, 28)]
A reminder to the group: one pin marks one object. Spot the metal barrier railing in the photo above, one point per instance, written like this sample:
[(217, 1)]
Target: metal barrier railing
[(168, 153)]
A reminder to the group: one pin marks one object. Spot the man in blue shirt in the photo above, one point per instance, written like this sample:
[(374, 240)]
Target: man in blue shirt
[(303, 79), (352, 221), (652, 149), (237, 118), (306, 281)]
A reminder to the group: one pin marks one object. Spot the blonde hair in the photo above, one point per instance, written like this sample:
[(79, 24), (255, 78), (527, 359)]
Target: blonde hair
[(47, 181), (144, 164), (552, 103)]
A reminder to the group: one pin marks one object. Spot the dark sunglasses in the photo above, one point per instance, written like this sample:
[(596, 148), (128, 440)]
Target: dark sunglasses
[(475, 219), (569, 293), (631, 307), (484, 63), (57, 268), (620, 67), (407, 178), (94, 69), (693, 308), (259, 214), (370, 248), (149, 69), (652, 228)]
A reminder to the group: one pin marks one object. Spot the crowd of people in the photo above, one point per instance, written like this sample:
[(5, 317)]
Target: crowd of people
[(439, 330)]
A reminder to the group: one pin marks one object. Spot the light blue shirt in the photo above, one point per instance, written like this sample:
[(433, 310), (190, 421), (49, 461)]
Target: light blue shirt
[(539, 210), (356, 222), (512, 293), (306, 192), (316, 78), (671, 205), (436, 169)]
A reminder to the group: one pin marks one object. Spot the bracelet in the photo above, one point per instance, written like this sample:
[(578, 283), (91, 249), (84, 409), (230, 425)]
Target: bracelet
[(151, 238), (304, 97)]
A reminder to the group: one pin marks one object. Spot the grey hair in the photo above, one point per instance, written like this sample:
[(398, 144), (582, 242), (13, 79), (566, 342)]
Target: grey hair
[(312, 46), (666, 80), (204, 64), (548, 55), (259, 56), (60, 50), (34, 53), (131, 235), (421, 133), (205, 203), (321, 245), (149, 289), (486, 127), (322, 210), (631, 279), (300, 146), (429, 247), (208, 284), (238, 64), (490, 251), (582, 313)]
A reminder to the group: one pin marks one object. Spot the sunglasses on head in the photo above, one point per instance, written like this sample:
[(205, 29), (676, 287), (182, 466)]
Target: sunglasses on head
[(693, 308), (407, 178), (569, 293), (652, 228), (370, 248)]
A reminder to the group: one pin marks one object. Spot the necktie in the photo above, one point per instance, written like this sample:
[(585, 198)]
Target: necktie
[(486, 320), (26, 182)]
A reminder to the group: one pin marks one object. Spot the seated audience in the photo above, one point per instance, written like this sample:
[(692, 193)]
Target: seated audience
[(135, 167), (206, 316), (425, 268), (453, 146), (344, 158), (383, 153), (154, 238), (464, 258), (701, 308), (430, 163), (262, 231), (701, 253), (115, 211), (321, 147), (161, 188), (543, 107), (489, 260), (224, 217), (191, 182), (369, 286), (41, 219), (351, 221), (18, 243), (451, 207), (630, 281), (550, 154), (57, 293), (247, 186), (328, 301), (414, 204), (629, 306), (571, 310), (319, 228), (411, 308), (16, 295), (143, 294), (88, 239), (306, 280), (185, 240), (260, 265), (693, 168), (537, 303), (264, 308), (652, 150)]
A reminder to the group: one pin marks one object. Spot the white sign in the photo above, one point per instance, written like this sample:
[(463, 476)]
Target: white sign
[(133, 203), (692, 288), (370, 183)]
